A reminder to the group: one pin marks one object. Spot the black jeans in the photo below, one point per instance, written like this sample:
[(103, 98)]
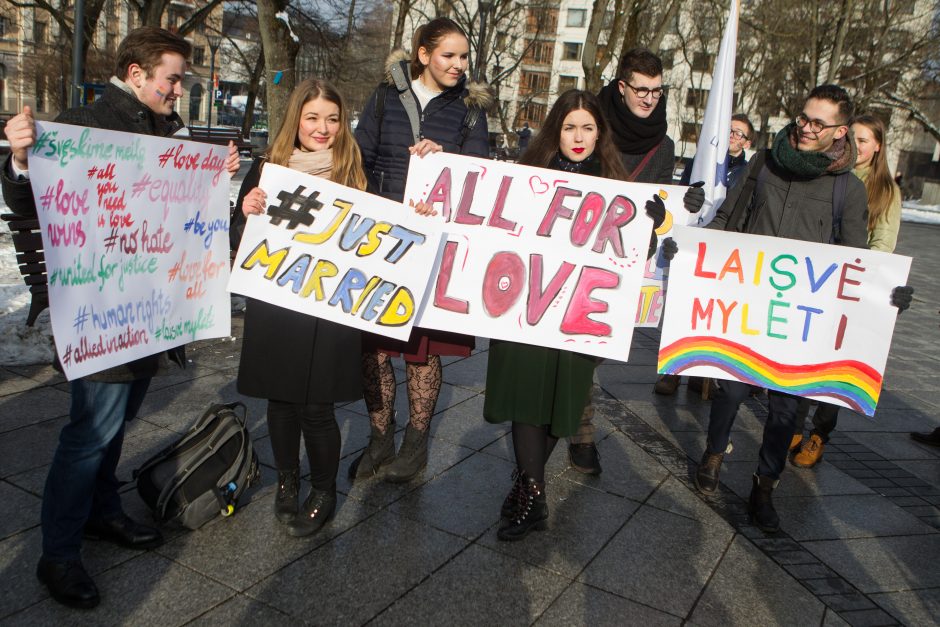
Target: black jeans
[(317, 422), (825, 418), (778, 430)]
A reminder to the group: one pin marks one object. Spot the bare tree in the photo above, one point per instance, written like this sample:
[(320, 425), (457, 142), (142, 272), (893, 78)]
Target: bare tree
[(280, 46)]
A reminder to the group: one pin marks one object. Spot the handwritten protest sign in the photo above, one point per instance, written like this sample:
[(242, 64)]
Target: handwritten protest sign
[(135, 230), (649, 311), (336, 253), (537, 256), (809, 319)]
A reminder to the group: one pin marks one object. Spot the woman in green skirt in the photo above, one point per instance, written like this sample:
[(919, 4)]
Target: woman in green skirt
[(544, 391)]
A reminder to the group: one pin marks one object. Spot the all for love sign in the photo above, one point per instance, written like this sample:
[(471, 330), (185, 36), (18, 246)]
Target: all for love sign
[(808, 319), (536, 256), (336, 253), (135, 230)]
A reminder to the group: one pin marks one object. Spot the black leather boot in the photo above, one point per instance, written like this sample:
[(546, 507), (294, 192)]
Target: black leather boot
[(381, 451), (288, 489), (68, 583), (760, 506), (709, 469), (531, 512), (512, 499), (317, 511), (412, 456), (123, 531)]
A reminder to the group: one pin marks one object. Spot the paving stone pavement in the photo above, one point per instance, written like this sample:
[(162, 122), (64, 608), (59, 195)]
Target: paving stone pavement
[(860, 543)]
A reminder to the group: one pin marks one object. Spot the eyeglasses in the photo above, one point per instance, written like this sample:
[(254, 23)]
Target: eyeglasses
[(738, 134), (815, 126), (643, 92)]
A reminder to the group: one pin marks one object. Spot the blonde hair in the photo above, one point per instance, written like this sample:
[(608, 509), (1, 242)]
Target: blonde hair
[(347, 160), (879, 185)]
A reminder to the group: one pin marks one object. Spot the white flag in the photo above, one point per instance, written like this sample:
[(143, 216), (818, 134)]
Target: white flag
[(710, 163)]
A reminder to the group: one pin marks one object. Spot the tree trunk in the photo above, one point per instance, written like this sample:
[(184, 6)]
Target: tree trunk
[(280, 53), (151, 12), (657, 40), (403, 7), (592, 72), (252, 95), (835, 61)]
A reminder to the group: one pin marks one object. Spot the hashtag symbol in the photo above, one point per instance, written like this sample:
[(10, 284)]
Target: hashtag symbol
[(91, 171), (67, 357), (167, 156), (110, 240), (286, 211), (81, 319), (189, 224), (47, 198), (173, 271), (140, 186)]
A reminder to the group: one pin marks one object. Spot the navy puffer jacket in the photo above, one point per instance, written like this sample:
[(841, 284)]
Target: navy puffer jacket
[(385, 150)]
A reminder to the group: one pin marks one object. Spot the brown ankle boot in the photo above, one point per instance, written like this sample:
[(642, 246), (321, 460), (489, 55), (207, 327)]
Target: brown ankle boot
[(709, 469), (810, 453)]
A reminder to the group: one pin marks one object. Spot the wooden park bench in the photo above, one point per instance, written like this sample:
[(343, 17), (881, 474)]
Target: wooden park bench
[(221, 136), (27, 241)]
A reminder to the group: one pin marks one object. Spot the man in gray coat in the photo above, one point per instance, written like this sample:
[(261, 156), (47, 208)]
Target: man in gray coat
[(793, 190)]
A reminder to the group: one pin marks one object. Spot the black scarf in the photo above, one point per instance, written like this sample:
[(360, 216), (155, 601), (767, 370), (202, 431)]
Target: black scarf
[(590, 165), (631, 134)]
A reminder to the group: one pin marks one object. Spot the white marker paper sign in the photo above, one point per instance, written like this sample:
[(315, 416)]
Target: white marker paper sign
[(536, 256), (336, 253), (135, 230), (809, 319)]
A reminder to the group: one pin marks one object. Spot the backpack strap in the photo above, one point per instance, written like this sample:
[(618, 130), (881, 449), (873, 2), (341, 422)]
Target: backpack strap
[(743, 204), (403, 85), (839, 187), (646, 159)]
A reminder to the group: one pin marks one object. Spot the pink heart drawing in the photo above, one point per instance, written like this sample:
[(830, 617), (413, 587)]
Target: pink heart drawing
[(537, 181)]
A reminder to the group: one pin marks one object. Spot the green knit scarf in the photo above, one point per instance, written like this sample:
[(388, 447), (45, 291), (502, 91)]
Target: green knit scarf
[(801, 164)]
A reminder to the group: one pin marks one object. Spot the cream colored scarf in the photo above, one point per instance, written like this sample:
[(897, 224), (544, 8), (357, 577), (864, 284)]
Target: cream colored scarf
[(319, 163)]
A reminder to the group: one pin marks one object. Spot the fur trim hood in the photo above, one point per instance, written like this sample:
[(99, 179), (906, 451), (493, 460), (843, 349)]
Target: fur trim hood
[(479, 94)]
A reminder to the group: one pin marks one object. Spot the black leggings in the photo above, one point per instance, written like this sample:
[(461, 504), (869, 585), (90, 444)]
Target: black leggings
[(533, 445), (317, 422)]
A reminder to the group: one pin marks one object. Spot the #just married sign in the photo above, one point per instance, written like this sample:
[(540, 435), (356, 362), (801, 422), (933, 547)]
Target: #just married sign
[(135, 231), (336, 253), (809, 319), (536, 256)]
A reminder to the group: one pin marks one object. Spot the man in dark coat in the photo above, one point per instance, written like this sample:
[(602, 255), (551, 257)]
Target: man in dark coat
[(794, 193), (81, 492), (524, 133), (634, 106)]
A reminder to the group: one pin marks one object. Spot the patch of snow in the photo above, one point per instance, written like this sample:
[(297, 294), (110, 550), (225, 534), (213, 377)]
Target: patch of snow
[(913, 211), (282, 15)]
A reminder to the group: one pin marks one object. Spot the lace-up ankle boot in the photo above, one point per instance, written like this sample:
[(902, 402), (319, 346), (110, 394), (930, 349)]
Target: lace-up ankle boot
[(412, 456), (380, 452), (509, 503), (709, 470), (288, 489), (317, 511), (760, 505), (531, 512)]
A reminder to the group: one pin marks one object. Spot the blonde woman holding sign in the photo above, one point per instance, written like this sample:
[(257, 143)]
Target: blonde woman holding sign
[(300, 363)]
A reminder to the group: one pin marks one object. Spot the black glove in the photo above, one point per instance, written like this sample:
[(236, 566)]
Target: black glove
[(694, 197), (901, 297), (656, 210), (654, 244), (670, 248)]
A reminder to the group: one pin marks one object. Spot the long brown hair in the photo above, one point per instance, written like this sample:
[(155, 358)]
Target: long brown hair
[(544, 147), (879, 184), (428, 37), (347, 160)]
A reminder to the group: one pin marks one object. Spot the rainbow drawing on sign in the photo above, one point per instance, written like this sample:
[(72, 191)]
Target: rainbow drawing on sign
[(854, 383)]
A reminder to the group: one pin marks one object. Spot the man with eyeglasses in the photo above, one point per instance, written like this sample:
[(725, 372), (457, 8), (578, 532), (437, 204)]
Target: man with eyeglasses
[(792, 190), (634, 106)]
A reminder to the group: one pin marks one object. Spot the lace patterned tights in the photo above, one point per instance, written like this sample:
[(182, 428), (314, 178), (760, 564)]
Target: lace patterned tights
[(424, 386)]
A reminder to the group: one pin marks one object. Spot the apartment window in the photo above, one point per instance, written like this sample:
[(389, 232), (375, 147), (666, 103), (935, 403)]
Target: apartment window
[(696, 98), (690, 132), (6, 27), (199, 56), (702, 62), (39, 32), (540, 52), (543, 21), (534, 82), (533, 113), (576, 18), (571, 52), (41, 93), (668, 57), (110, 42), (567, 82)]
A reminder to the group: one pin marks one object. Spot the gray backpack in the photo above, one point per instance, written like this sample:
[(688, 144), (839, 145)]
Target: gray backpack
[(204, 473)]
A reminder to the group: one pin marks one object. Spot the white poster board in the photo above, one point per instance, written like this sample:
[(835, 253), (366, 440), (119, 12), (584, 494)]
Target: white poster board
[(537, 256), (809, 319), (135, 230), (336, 253)]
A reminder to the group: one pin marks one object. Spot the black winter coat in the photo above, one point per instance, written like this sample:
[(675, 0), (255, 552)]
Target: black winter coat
[(385, 145), (290, 356), (116, 110)]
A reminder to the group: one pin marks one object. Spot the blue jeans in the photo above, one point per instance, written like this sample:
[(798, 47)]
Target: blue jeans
[(82, 483), (778, 430)]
